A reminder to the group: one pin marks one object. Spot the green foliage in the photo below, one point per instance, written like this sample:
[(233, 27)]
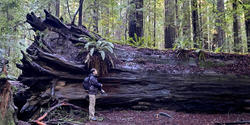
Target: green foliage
[(102, 47), (182, 43), (144, 42)]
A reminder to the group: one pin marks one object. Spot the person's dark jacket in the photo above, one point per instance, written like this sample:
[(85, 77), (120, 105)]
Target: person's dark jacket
[(94, 85)]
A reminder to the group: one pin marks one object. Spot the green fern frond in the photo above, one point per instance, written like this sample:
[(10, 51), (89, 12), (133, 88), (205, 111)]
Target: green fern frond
[(108, 48), (80, 44), (102, 54), (92, 50)]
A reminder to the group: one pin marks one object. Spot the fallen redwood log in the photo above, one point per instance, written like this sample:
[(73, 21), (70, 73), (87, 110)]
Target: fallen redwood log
[(185, 80)]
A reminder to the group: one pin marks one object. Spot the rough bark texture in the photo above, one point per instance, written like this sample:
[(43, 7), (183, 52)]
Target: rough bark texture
[(80, 12), (7, 107), (195, 23), (236, 27), (136, 19), (58, 8), (96, 16), (220, 23), (187, 24), (247, 22), (154, 35), (143, 79), (170, 28)]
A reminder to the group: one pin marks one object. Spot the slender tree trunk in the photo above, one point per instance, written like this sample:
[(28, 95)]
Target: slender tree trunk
[(209, 41), (112, 22), (57, 8), (247, 23), (201, 41), (80, 13), (49, 7), (220, 21), (119, 31), (149, 19), (236, 27), (170, 27), (154, 23), (126, 28), (187, 22), (96, 16), (177, 20), (195, 23), (69, 10), (136, 19), (108, 22)]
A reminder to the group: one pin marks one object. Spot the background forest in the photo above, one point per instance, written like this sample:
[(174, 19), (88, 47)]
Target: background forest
[(211, 25)]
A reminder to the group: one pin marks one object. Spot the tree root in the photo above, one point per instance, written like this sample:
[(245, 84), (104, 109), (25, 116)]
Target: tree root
[(39, 120)]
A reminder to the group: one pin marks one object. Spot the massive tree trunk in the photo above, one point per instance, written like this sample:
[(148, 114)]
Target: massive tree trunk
[(195, 23), (170, 27), (53, 67), (236, 27), (247, 22), (220, 23), (136, 19)]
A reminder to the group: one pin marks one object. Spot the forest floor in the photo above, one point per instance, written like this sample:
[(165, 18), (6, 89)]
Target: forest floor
[(131, 117), (135, 117)]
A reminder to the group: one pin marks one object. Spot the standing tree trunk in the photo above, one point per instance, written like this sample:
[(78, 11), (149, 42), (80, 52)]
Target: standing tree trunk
[(195, 23), (187, 23), (220, 22), (154, 23), (126, 21), (247, 22), (69, 10), (108, 21), (49, 7), (136, 19), (57, 8), (170, 27), (95, 16), (80, 13), (236, 27)]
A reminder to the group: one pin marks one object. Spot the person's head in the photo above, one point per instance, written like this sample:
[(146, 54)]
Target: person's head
[(93, 71)]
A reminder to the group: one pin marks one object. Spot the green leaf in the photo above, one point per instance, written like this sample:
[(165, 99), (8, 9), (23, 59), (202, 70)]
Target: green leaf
[(198, 50), (111, 44), (98, 44), (88, 45), (108, 48), (102, 54), (92, 51), (87, 58)]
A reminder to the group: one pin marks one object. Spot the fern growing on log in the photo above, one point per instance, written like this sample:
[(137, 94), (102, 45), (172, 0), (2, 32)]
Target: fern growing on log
[(99, 55)]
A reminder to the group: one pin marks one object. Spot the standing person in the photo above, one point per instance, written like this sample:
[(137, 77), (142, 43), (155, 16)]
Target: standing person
[(93, 90)]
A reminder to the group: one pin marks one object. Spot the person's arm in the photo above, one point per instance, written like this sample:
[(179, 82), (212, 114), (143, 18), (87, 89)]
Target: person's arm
[(95, 83)]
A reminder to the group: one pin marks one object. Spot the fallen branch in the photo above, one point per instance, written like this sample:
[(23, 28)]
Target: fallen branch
[(39, 120)]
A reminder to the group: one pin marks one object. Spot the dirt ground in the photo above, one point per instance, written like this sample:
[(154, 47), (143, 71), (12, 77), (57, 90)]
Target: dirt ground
[(130, 117)]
